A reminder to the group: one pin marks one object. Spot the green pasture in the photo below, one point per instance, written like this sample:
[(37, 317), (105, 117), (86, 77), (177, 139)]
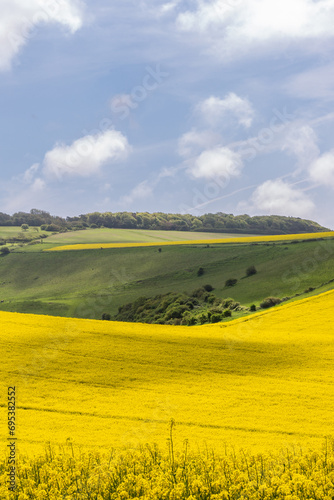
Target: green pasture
[(89, 283)]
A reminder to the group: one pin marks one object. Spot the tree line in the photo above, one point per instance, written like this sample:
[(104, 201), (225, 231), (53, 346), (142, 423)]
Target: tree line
[(218, 222)]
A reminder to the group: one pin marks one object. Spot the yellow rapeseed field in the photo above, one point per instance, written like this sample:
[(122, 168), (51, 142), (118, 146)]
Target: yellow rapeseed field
[(147, 473), (251, 239), (260, 382)]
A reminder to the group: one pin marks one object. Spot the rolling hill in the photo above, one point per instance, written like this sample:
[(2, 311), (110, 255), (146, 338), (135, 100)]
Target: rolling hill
[(89, 283), (262, 382)]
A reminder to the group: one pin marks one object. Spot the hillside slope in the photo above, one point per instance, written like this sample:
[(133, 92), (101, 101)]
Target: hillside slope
[(89, 283), (258, 382)]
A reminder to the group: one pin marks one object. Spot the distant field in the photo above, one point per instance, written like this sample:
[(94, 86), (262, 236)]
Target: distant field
[(92, 282), (91, 236), (261, 383), (12, 232), (199, 240)]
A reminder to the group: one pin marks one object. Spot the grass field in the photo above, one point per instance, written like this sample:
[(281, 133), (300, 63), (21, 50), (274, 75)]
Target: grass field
[(261, 383), (92, 282), (198, 240), (8, 232), (106, 235)]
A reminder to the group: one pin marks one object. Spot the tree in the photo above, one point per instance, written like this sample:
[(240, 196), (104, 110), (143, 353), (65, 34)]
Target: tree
[(231, 282), (251, 270), (4, 251), (200, 271), (24, 227)]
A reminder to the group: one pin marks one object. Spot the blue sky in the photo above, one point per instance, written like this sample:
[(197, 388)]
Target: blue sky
[(174, 106)]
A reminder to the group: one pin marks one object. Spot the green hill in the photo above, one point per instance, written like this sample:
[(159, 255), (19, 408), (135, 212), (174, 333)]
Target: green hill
[(89, 283)]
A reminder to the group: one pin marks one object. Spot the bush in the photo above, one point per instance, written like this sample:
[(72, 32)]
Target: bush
[(4, 251), (227, 313), (231, 282), (215, 318), (198, 293), (270, 302), (106, 316), (251, 270), (208, 288), (252, 308), (176, 311), (227, 302), (191, 321), (200, 272), (51, 227), (203, 318)]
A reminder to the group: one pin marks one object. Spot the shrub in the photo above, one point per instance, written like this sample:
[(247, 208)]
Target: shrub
[(227, 302), (210, 299), (231, 282), (251, 270), (191, 321), (106, 316), (4, 251), (175, 312), (270, 302), (200, 271), (227, 313), (252, 308), (199, 292), (216, 317), (203, 318), (215, 310), (52, 227), (208, 288)]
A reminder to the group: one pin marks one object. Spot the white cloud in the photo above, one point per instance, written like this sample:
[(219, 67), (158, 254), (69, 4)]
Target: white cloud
[(218, 162), (141, 191), (214, 109), (169, 7), (38, 184), (85, 156), (322, 169), (302, 142), (194, 141), (276, 197), (248, 22), (30, 173), (20, 17)]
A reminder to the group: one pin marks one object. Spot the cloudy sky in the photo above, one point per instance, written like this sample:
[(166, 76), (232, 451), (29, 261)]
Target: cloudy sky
[(174, 106)]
